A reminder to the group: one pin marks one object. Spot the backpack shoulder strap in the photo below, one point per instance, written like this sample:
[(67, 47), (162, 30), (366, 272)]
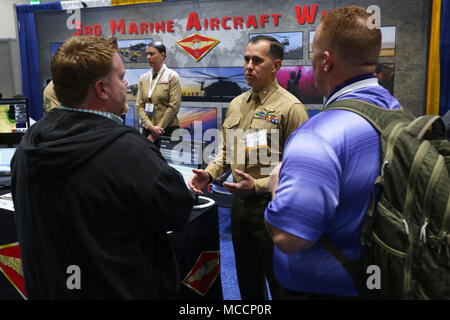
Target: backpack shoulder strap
[(337, 254), (379, 117), (382, 119), (351, 266)]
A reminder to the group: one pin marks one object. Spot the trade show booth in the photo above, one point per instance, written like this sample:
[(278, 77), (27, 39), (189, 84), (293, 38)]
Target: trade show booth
[(205, 41)]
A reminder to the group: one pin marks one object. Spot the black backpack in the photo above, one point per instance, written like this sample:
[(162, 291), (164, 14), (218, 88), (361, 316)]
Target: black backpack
[(406, 230)]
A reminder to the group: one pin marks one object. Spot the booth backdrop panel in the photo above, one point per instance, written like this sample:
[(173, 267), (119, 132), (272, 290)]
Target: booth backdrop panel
[(411, 19)]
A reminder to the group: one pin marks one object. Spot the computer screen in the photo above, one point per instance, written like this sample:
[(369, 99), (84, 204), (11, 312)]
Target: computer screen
[(129, 117), (14, 120), (14, 115), (183, 155), (198, 119), (6, 155), (185, 170)]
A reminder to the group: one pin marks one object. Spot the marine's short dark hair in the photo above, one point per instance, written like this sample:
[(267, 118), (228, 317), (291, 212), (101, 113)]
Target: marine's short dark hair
[(158, 45), (276, 50)]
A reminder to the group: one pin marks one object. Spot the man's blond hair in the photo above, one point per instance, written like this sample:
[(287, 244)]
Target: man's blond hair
[(77, 64)]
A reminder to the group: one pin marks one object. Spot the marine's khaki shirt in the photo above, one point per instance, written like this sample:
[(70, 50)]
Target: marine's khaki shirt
[(282, 113), (49, 97), (166, 99)]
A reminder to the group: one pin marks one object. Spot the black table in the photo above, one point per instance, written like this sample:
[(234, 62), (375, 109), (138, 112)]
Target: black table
[(196, 247)]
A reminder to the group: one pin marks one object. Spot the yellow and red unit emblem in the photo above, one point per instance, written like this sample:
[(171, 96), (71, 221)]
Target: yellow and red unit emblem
[(11, 266), (204, 273), (197, 46)]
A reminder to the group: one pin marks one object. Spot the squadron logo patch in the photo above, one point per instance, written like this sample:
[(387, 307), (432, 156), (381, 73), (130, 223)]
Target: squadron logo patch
[(11, 266), (204, 272), (197, 46)]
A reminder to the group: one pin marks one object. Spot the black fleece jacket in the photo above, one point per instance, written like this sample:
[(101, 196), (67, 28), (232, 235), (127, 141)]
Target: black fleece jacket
[(95, 194)]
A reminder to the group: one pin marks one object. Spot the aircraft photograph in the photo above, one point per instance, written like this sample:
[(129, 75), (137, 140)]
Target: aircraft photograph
[(132, 77), (212, 84), (299, 80), (291, 41), (133, 51)]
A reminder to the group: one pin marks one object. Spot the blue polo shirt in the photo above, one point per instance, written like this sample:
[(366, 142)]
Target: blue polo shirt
[(329, 166)]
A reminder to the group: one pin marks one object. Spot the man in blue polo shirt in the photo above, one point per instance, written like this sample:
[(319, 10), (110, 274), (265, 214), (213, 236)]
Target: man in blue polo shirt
[(329, 164)]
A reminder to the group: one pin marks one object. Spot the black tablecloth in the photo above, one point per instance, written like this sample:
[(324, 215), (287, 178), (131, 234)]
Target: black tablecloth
[(200, 235)]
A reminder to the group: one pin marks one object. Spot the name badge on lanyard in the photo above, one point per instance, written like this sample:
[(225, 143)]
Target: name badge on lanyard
[(149, 107), (256, 140)]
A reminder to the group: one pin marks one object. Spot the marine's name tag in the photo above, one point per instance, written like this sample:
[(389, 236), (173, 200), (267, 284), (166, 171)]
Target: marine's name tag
[(256, 140), (149, 107)]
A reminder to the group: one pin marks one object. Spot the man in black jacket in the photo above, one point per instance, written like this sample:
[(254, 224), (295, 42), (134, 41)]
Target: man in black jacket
[(93, 198)]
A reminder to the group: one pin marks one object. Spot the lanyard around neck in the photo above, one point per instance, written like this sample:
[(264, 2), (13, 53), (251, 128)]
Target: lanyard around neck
[(154, 82)]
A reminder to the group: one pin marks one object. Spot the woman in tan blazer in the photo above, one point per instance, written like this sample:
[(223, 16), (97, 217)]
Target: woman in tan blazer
[(159, 95)]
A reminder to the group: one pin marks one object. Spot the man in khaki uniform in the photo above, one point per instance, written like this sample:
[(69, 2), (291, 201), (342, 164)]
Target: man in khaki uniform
[(256, 127), (159, 95)]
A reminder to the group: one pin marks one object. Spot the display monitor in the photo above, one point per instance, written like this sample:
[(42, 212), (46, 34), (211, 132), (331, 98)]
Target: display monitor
[(183, 155), (129, 117), (14, 120), (198, 120), (6, 155)]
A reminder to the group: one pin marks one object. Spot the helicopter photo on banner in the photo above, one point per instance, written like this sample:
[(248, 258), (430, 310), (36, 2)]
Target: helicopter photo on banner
[(200, 84), (211, 84)]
